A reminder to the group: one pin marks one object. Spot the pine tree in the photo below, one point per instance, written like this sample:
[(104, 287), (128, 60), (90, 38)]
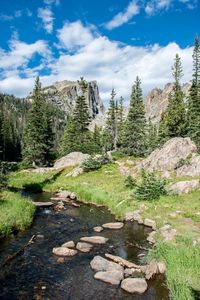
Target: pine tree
[(176, 113), (134, 139), (152, 137), (120, 122), (77, 136), (38, 135), (163, 134), (97, 139), (111, 123), (193, 112)]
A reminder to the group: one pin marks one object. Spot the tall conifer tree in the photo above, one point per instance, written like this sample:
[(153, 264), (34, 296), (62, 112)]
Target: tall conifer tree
[(193, 112), (134, 139)]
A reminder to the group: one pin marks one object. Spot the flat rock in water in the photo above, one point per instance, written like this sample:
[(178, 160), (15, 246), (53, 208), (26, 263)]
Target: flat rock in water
[(62, 251), (43, 204), (69, 244), (152, 269), (101, 264), (84, 247), (114, 225), (112, 277), (94, 239), (134, 285), (122, 261), (98, 228)]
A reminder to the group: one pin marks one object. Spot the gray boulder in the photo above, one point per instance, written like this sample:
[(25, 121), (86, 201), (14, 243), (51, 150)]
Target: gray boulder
[(134, 285), (114, 225), (101, 264), (63, 251), (190, 169), (71, 159), (184, 187), (84, 247), (168, 157), (94, 239), (113, 277)]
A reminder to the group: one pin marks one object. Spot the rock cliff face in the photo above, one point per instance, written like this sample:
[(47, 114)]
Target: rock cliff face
[(156, 101), (64, 93)]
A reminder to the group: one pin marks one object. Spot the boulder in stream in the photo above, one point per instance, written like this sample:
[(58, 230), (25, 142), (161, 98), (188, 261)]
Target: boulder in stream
[(63, 251), (69, 244), (94, 239), (114, 225), (134, 285), (101, 264), (113, 277), (98, 228), (84, 247)]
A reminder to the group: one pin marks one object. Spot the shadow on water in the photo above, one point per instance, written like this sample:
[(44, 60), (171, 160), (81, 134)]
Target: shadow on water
[(36, 274)]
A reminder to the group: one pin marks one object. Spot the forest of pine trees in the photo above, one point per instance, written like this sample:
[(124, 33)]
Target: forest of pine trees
[(32, 132)]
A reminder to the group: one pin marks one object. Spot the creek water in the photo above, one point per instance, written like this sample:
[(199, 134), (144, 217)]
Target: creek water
[(36, 274)]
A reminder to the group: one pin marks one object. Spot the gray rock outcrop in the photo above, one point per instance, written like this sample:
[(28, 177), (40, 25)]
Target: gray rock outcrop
[(184, 187), (192, 168), (71, 159), (168, 157)]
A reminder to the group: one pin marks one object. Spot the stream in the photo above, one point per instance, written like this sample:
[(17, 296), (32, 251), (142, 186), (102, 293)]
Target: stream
[(36, 274)]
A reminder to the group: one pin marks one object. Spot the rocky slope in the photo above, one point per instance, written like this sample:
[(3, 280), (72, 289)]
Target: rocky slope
[(156, 101), (64, 93)]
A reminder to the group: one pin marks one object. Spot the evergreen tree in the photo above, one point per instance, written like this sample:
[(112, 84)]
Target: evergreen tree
[(111, 123), (38, 135), (77, 136), (193, 112), (120, 123), (176, 113), (134, 138), (163, 134), (152, 137), (97, 139)]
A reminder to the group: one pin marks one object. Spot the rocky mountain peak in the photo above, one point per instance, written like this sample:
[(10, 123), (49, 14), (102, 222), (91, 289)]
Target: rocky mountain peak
[(156, 101)]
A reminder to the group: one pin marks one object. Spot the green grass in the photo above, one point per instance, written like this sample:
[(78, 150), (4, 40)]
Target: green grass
[(106, 187), (183, 267), (16, 212)]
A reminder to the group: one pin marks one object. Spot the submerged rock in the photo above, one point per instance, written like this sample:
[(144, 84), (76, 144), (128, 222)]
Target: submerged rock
[(114, 225), (101, 264), (98, 228), (94, 239), (69, 244), (84, 247), (113, 277), (134, 285), (63, 251)]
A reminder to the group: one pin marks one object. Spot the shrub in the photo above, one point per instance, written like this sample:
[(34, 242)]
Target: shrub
[(95, 163), (151, 187), (130, 182)]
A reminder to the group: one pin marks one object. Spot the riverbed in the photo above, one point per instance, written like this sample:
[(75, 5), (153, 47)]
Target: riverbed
[(36, 274)]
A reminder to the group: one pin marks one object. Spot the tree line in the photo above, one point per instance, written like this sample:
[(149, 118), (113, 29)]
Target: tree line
[(39, 142)]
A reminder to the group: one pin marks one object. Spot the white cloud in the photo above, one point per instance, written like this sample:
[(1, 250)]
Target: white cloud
[(46, 15), (50, 2), (98, 58), (73, 35), (154, 6), (123, 17)]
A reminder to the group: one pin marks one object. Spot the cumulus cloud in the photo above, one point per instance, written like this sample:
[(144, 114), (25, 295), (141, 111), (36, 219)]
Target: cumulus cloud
[(123, 17), (46, 15), (73, 35), (99, 58), (50, 2)]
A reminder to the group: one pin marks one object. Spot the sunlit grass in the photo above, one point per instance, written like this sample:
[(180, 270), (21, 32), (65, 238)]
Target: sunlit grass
[(16, 212)]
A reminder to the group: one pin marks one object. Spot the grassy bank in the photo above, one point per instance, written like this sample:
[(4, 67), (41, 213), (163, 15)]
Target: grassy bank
[(16, 212), (106, 187)]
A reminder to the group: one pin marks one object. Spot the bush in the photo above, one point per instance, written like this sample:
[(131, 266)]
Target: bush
[(95, 163), (130, 182), (151, 187)]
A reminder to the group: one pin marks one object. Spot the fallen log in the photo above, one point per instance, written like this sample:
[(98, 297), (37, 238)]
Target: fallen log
[(20, 251)]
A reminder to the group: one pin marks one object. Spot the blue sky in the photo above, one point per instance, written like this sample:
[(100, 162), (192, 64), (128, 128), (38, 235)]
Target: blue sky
[(109, 41)]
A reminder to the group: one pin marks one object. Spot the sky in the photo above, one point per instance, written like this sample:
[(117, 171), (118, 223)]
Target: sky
[(108, 41)]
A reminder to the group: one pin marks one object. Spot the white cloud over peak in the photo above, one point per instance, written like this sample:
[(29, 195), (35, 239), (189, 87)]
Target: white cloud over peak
[(123, 17), (74, 34), (154, 6), (46, 15), (97, 57)]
